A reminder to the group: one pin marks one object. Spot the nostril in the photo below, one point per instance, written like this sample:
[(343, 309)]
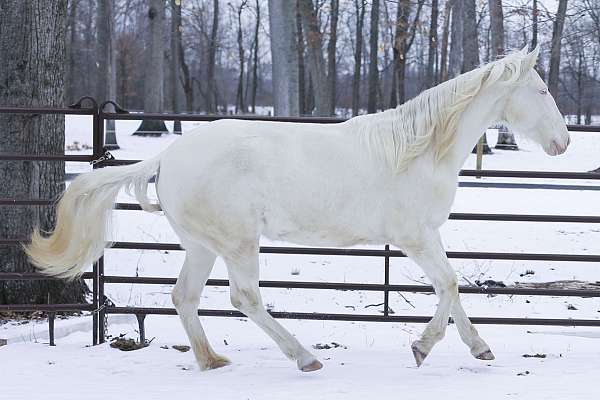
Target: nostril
[(569, 140)]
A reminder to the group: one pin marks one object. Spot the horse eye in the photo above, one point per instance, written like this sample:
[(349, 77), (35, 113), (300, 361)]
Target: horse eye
[(543, 91)]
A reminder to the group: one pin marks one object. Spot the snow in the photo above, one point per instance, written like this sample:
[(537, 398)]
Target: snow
[(377, 360), (377, 363)]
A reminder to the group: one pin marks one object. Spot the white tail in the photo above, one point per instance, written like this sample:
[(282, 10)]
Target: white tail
[(83, 218)]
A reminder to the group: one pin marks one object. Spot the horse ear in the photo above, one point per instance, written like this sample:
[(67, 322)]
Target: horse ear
[(532, 57), (524, 50)]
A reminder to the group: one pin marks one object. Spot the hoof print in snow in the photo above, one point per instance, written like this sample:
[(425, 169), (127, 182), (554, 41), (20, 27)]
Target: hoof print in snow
[(527, 272), (537, 355), (327, 346), (571, 307), (181, 348), (125, 344)]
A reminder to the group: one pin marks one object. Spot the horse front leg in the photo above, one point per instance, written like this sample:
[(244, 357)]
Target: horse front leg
[(431, 257)]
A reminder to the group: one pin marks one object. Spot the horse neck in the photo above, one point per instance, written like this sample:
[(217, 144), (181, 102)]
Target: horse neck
[(484, 110)]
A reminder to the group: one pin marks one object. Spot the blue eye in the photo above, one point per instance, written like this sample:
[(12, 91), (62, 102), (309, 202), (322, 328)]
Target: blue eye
[(543, 91)]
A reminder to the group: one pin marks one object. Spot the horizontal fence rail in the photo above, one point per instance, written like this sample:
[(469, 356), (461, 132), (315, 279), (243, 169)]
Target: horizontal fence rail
[(101, 306), (361, 317), (377, 287)]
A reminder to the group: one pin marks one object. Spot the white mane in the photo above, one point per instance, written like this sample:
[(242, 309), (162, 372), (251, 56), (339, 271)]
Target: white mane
[(401, 134)]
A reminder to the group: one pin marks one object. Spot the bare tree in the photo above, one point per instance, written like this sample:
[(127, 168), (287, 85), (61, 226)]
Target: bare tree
[(106, 79), (359, 6), (403, 39), (373, 64), (559, 23), (455, 60), (213, 98), (471, 45), (32, 72), (185, 77), (239, 102), (534, 25), (506, 140), (255, 46), (433, 39), (316, 61), (72, 45), (284, 54), (445, 37), (331, 55), (302, 97), (176, 48), (154, 71)]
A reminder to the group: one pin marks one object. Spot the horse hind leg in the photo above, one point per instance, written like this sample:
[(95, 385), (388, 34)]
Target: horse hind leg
[(186, 296), (245, 296)]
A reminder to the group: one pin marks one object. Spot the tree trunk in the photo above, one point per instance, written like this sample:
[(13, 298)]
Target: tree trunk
[(302, 100), (506, 140), (154, 71), (360, 19), (471, 47), (255, 59), (316, 61), (580, 86), (400, 35), (284, 54), (239, 101), (212, 55), (496, 28), (403, 40), (534, 25), (455, 59), (433, 38), (71, 46), (175, 60), (557, 31), (331, 56), (106, 77), (32, 72), (373, 48), (185, 78), (445, 37)]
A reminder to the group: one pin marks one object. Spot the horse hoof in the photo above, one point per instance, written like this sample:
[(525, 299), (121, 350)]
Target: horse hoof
[(418, 354), (217, 362), (313, 366), (486, 355)]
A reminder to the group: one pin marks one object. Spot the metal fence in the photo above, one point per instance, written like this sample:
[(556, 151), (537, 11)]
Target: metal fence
[(101, 306)]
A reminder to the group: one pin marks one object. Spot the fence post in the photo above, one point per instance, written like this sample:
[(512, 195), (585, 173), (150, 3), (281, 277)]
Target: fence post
[(386, 282), (102, 309), (51, 316), (142, 327), (479, 162), (99, 313)]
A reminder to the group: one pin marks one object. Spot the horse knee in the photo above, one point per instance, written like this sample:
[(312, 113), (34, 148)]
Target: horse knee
[(176, 298), (180, 298), (449, 285), (245, 300)]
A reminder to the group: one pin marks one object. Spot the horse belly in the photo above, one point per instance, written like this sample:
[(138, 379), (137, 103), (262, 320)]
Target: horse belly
[(315, 226)]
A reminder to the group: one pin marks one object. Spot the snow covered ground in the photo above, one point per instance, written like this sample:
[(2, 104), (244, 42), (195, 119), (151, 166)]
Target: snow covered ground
[(377, 360)]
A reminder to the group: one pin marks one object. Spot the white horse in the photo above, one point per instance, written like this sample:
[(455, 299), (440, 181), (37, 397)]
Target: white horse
[(389, 177)]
